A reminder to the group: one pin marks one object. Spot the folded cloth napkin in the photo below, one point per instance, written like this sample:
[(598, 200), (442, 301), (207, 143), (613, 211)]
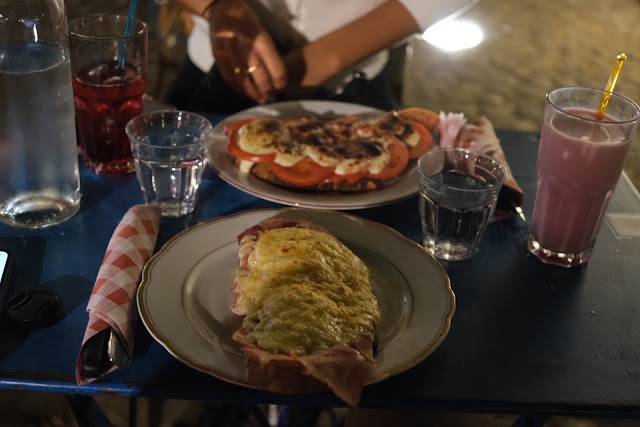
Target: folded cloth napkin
[(112, 302), (454, 131)]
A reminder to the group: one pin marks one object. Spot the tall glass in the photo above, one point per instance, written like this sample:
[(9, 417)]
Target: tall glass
[(39, 180), (109, 81), (580, 161)]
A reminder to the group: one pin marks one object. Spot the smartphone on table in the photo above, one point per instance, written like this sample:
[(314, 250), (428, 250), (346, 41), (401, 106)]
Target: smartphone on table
[(6, 264)]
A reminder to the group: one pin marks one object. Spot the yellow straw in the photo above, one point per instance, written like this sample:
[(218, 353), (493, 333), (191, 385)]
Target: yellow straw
[(610, 85)]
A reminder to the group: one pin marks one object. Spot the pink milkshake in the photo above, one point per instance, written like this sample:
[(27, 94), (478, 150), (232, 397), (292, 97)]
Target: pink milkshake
[(580, 160)]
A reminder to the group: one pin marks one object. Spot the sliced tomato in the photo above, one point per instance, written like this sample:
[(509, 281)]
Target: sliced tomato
[(428, 118), (351, 178), (236, 151), (424, 144), (231, 129), (399, 159), (304, 173)]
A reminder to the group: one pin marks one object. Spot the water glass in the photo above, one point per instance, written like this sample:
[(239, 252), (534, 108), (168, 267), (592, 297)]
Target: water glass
[(458, 194), (169, 149), (109, 71), (580, 160)]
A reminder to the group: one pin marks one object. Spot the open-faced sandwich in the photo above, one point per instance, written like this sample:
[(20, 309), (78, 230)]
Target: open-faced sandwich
[(347, 154), (310, 314)]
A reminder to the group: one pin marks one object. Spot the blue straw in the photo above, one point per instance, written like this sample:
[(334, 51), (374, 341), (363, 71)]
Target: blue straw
[(127, 32)]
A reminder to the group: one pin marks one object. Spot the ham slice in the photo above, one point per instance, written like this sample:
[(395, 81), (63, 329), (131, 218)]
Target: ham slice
[(341, 368)]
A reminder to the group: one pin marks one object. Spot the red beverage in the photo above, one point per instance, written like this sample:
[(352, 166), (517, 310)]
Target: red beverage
[(106, 97), (579, 164)]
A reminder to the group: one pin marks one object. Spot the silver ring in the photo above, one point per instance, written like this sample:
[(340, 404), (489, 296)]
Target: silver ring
[(237, 70), (252, 68)]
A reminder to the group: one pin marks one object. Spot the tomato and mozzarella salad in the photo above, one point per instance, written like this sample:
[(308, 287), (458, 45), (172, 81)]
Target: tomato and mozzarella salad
[(311, 150)]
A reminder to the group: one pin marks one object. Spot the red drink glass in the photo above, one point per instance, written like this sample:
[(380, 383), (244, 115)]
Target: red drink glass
[(109, 81), (580, 161)]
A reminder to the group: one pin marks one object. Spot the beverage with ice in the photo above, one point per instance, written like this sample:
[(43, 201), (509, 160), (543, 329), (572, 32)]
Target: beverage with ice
[(580, 160), (39, 181), (106, 98)]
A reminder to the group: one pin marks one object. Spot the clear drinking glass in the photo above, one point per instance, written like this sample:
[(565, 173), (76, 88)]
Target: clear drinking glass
[(580, 160), (458, 194), (169, 148)]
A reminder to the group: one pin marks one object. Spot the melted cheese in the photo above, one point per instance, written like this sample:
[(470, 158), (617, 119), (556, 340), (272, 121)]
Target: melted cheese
[(391, 124), (257, 137), (412, 139), (326, 145), (266, 136), (305, 292), (245, 166), (372, 164)]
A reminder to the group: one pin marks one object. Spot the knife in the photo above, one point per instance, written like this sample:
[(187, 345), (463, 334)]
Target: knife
[(117, 352), (95, 360), (103, 351)]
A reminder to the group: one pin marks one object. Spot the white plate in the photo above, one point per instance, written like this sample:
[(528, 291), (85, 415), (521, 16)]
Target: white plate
[(220, 162), (185, 293)]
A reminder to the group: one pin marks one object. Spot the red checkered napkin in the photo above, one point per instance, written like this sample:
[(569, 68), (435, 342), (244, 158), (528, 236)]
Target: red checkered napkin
[(112, 303)]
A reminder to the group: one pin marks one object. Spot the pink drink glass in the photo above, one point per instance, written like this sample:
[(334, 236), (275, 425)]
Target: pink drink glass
[(580, 161)]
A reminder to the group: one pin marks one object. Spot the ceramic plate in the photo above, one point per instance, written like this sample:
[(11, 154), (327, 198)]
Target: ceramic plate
[(185, 295), (220, 161)]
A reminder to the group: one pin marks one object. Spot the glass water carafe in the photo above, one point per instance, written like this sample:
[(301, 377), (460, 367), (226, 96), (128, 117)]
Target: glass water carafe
[(39, 180)]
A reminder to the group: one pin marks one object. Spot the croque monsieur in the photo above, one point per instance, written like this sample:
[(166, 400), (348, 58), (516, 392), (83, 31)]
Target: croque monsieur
[(310, 314)]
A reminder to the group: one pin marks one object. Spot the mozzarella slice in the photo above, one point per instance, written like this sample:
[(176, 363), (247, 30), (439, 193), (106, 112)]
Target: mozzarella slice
[(392, 124), (262, 136), (245, 166)]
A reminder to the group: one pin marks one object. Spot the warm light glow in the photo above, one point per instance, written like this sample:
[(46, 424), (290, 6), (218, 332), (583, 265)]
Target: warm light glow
[(452, 35)]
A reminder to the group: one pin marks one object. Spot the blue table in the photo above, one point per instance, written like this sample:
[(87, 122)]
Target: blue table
[(526, 337)]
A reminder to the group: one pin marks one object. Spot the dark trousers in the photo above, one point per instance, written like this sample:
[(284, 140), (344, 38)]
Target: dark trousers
[(193, 90)]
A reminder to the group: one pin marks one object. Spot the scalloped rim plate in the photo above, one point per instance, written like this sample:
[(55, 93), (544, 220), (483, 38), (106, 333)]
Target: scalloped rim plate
[(185, 295), (405, 187)]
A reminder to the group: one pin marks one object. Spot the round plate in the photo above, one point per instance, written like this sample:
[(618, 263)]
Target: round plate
[(220, 161), (185, 294)]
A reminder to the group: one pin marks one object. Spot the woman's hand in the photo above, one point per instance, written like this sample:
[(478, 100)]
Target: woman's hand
[(314, 63), (244, 52)]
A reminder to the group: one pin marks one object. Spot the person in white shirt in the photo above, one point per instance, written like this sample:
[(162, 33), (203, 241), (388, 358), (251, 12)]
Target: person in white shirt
[(247, 52)]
